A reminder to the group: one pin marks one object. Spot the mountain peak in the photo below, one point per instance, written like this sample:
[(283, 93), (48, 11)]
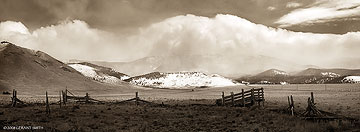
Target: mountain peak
[(273, 72)]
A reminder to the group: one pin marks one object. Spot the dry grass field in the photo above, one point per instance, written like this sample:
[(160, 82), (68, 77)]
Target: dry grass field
[(188, 110)]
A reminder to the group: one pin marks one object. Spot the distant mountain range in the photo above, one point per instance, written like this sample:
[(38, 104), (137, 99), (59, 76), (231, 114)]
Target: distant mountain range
[(216, 64), (233, 67), (35, 72), (308, 76)]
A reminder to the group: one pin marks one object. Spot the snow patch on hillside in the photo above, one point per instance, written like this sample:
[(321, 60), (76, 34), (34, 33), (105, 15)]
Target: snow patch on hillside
[(351, 79), (91, 73), (276, 72), (330, 74), (124, 77), (183, 80)]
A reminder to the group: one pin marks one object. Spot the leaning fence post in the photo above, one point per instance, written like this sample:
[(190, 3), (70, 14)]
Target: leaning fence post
[(13, 102), (232, 98), (136, 98), (243, 97), (223, 99), (47, 104)]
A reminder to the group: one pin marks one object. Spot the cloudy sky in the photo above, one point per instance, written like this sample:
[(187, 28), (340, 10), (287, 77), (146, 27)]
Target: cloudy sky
[(310, 32)]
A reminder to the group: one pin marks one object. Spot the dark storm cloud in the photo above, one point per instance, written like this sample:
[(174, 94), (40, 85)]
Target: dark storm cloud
[(27, 11)]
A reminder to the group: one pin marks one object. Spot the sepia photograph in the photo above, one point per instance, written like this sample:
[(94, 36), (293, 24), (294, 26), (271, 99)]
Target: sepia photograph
[(180, 65)]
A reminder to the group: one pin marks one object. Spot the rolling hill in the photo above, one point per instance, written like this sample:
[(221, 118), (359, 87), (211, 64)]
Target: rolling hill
[(99, 73), (181, 80), (34, 72)]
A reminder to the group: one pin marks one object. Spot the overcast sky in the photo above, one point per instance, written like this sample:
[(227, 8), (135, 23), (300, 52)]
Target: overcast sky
[(311, 32)]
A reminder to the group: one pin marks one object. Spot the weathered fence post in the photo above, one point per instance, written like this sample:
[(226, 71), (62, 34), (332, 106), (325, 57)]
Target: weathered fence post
[(60, 98), (136, 98), (312, 97), (47, 104), (13, 101), (223, 99), (292, 105), (87, 98), (243, 97), (65, 100), (252, 96), (262, 95), (258, 97), (232, 98), (63, 97), (289, 101)]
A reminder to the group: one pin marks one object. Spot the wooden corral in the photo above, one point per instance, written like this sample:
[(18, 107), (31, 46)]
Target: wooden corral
[(245, 98)]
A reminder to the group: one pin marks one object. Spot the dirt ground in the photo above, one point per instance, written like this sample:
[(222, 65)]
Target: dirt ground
[(187, 110)]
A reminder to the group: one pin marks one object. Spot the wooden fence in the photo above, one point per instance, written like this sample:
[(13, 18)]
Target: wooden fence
[(85, 99), (245, 98), (14, 99)]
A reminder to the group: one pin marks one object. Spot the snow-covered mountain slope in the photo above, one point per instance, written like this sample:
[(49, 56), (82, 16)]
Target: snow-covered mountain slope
[(181, 80), (98, 73), (273, 72), (329, 74), (351, 79)]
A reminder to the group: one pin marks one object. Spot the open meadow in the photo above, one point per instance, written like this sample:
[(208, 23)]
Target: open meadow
[(187, 110)]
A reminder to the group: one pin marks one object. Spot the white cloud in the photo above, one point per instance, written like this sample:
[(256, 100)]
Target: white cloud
[(234, 36), (13, 27), (293, 5), (321, 11), (68, 40), (230, 36), (271, 8)]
